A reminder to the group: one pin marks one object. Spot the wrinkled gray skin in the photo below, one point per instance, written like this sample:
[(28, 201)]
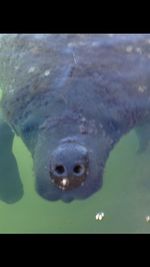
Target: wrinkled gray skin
[(63, 92)]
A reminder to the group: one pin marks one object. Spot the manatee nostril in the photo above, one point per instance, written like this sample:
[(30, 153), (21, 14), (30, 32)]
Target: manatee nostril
[(78, 169), (68, 166), (59, 169)]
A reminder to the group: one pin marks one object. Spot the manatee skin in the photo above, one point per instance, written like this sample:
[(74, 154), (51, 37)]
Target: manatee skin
[(62, 92), (11, 188)]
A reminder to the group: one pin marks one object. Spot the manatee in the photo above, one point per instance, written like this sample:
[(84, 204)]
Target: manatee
[(70, 97)]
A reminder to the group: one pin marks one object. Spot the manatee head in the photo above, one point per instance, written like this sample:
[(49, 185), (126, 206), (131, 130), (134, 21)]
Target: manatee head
[(69, 158), (68, 145)]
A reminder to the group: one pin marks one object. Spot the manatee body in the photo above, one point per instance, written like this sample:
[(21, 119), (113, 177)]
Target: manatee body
[(70, 98)]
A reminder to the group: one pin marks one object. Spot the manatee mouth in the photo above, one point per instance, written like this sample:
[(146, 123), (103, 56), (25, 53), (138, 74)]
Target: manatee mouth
[(67, 184)]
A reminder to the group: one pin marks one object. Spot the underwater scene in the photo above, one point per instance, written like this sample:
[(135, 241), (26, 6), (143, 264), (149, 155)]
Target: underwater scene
[(74, 133), (124, 198)]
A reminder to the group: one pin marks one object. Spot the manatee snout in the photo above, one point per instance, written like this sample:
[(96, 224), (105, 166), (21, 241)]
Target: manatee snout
[(69, 166)]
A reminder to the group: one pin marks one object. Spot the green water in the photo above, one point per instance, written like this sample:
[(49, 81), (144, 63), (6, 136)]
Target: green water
[(124, 198)]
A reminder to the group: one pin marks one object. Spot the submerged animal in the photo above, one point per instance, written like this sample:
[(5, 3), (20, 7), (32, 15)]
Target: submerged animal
[(70, 97)]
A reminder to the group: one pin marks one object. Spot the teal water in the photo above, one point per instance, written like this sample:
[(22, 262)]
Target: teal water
[(124, 198)]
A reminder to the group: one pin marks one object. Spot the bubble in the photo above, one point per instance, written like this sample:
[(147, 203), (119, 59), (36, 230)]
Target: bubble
[(142, 88), (31, 69), (129, 49), (138, 50), (99, 216), (147, 218), (47, 72)]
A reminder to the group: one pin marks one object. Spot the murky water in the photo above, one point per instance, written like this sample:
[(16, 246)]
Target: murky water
[(124, 198)]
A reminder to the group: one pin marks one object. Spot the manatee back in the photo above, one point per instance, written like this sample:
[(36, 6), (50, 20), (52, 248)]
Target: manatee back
[(25, 58), (32, 65)]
